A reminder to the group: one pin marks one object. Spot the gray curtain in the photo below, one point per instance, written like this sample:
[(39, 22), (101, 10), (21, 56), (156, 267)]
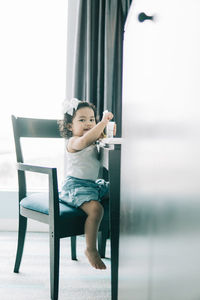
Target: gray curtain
[(96, 70)]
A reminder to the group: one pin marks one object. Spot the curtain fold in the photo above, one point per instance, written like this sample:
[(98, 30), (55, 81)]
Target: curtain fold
[(97, 75)]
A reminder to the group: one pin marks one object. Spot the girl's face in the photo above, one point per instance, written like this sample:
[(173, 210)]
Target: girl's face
[(83, 121)]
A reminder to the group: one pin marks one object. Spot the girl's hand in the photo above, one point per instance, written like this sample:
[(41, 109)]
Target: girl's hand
[(107, 116)]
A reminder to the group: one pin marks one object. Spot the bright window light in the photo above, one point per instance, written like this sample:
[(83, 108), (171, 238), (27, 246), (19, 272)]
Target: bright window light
[(33, 39)]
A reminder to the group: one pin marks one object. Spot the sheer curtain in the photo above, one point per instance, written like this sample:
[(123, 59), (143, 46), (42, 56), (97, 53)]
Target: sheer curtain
[(94, 59)]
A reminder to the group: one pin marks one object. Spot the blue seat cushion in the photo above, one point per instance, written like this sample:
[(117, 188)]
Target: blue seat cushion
[(71, 221)]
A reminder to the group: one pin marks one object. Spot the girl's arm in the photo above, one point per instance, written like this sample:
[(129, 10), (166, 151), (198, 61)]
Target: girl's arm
[(78, 143)]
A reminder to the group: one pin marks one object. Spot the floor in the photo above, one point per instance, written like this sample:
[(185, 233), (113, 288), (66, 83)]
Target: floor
[(78, 280)]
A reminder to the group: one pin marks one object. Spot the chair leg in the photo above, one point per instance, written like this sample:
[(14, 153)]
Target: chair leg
[(20, 244), (54, 265), (102, 238), (73, 248)]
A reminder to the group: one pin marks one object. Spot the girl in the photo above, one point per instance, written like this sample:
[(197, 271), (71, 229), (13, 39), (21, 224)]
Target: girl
[(81, 187)]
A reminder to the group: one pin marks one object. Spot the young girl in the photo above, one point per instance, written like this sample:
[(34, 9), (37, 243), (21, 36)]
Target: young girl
[(81, 187)]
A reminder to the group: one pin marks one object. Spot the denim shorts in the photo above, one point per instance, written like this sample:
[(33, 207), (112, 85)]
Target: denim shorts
[(76, 191)]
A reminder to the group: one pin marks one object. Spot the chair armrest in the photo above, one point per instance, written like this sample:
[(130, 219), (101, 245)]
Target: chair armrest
[(33, 168), (53, 188)]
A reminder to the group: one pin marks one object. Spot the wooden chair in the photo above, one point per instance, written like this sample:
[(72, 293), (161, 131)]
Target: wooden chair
[(63, 220)]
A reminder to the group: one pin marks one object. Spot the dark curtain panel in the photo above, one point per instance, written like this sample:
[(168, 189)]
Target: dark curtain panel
[(97, 75)]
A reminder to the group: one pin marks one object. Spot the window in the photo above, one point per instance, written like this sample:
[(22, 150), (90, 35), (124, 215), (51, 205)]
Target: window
[(32, 76)]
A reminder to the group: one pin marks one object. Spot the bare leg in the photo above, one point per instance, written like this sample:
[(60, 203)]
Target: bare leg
[(94, 210)]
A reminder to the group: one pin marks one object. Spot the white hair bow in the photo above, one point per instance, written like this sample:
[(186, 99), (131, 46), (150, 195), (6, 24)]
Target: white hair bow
[(68, 106)]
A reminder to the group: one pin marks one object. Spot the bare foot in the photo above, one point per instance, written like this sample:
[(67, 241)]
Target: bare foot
[(95, 259)]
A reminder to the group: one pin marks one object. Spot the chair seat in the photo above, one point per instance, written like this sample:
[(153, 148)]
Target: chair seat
[(71, 219)]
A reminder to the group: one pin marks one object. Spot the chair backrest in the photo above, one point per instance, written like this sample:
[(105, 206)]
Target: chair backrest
[(32, 128)]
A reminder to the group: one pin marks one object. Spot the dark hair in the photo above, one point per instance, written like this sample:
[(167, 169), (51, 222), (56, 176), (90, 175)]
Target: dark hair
[(64, 131)]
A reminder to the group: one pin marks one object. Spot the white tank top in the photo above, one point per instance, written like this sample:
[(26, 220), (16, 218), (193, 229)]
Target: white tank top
[(83, 164)]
